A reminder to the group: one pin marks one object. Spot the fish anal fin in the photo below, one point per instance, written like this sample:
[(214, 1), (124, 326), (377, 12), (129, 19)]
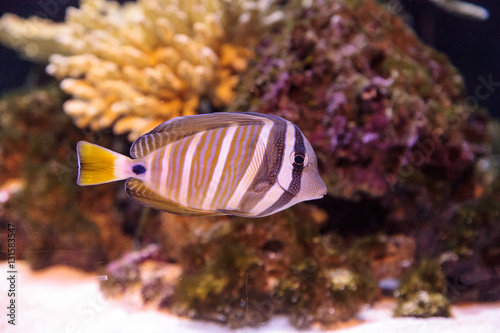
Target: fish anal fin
[(235, 213), (139, 192)]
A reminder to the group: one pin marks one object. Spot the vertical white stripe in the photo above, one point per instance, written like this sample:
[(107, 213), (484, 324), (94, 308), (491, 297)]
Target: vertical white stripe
[(148, 177), (157, 173), (224, 151), (285, 174), (165, 170), (186, 173), (142, 153), (147, 144), (252, 169)]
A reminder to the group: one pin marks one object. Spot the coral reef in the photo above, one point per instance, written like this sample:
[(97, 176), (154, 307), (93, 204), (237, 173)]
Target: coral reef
[(376, 104), (405, 156), (137, 65), (35, 39), (398, 143), (242, 272), (384, 257), (422, 293), (472, 237), (55, 223)]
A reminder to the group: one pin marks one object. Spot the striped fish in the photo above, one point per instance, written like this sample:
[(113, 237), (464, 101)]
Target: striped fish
[(244, 164)]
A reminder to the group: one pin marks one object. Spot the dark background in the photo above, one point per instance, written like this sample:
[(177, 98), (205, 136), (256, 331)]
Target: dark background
[(473, 46)]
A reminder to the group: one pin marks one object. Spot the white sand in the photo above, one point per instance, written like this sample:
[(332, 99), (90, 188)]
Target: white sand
[(62, 299)]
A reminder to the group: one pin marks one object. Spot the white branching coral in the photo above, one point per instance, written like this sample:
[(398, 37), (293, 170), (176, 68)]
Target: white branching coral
[(463, 8), (34, 38), (136, 65)]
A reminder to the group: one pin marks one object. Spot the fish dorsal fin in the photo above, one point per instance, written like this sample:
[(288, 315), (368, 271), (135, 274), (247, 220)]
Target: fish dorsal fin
[(139, 192), (181, 127)]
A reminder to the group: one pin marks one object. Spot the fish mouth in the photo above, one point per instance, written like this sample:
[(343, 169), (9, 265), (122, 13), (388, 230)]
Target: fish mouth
[(321, 195), (322, 192), (325, 190)]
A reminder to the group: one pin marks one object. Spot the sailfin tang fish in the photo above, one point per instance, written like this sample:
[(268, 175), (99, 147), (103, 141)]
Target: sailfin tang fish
[(245, 164)]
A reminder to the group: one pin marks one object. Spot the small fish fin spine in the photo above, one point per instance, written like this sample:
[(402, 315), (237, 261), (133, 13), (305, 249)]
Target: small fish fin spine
[(98, 165)]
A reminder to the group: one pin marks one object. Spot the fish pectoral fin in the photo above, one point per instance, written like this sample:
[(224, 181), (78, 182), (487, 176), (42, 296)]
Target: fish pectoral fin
[(139, 192), (235, 213), (261, 187)]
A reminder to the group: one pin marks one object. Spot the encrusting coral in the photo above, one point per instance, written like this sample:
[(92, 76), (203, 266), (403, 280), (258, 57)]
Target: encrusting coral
[(136, 65)]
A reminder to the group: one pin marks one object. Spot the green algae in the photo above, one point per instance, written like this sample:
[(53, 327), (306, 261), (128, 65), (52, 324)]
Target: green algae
[(292, 270), (251, 271), (475, 226), (315, 294), (364, 249), (37, 147), (219, 289), (422, 293), (424, 305), (36, 133)]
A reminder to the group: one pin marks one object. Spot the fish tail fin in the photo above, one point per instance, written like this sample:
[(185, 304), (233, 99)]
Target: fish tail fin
[(98, 165)]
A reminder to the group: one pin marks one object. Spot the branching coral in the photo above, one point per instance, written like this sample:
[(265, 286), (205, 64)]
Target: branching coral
[(463, 8), (27, 37), (137, 65)]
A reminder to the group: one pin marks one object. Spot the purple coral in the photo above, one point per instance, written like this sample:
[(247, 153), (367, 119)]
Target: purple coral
[(387, 117), (365, 91)]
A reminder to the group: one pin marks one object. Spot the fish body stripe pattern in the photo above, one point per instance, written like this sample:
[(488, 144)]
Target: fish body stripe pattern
[(199, 173), (294, 184), (251, 170), (164, 153), (187, 172), (243, 163), (234, 168)]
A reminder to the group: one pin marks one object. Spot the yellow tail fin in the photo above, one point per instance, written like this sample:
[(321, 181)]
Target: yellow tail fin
[(98, 165)]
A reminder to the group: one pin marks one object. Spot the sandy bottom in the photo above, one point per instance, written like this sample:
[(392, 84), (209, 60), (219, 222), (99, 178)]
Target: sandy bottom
[(62, 299)]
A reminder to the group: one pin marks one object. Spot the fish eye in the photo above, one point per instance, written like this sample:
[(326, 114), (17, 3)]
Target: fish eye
[(299, 159)]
